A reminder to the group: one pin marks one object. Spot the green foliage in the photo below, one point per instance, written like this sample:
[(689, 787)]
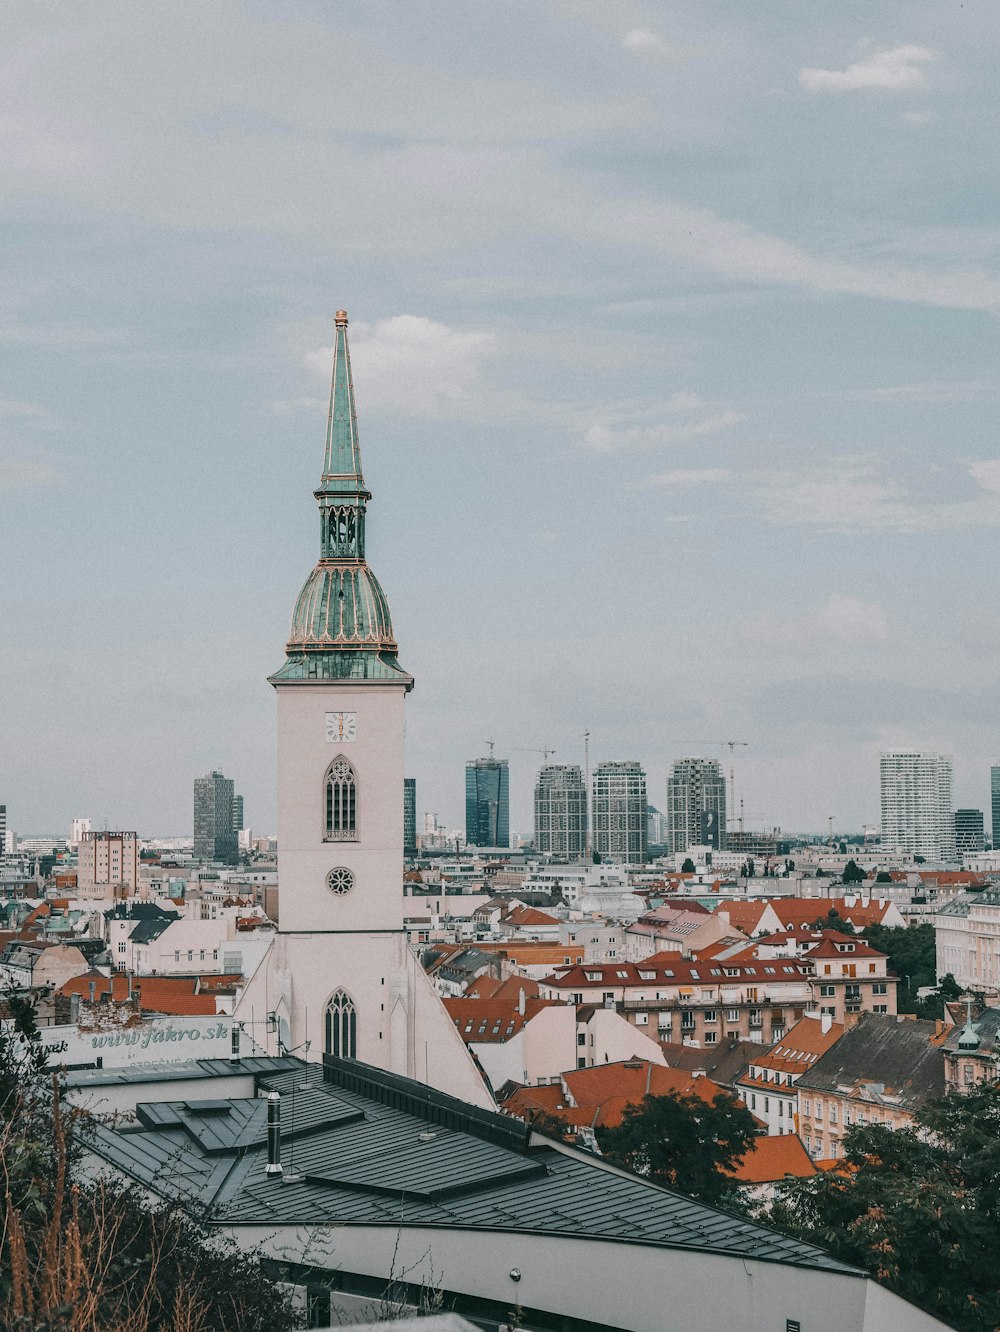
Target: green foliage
[(853, 873), (683, 1142), (920, 1213), (913, 957), (883, 876), (688, 867)]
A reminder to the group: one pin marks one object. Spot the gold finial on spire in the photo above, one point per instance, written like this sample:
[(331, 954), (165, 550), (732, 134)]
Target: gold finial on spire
[(340, 317)]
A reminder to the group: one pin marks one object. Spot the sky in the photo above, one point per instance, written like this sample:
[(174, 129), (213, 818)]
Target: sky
[(674, 340)]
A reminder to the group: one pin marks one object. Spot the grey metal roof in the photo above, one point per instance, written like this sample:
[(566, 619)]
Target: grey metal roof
[(887, 1060), (364, 1147)]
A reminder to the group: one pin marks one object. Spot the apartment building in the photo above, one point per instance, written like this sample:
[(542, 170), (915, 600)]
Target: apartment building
[(882, 1071), (767, 1088)]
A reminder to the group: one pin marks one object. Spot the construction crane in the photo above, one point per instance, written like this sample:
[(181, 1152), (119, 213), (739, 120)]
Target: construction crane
[(491, 743), (528, 749)]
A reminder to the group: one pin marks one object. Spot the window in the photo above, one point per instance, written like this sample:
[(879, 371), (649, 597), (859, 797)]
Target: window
[(732, 1015), (641, 1019), (711, 1037), (833, 1114), (880, 987), (711, 1015), (341, 1026), (581, 1038), (805, 1105), (121, 948), (969, 1074), (828, 991), (341, 802), (340, 881)]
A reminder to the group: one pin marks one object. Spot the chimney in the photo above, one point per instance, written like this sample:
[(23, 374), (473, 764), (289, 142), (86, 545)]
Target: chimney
[(93, 990), (825, 1022), (74, 1008), (273, 1166), (130, 987), (234, 1046), (520, 1001)]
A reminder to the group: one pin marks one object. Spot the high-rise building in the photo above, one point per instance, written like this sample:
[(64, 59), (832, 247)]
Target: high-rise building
[(409, 816), (656, 829), (76, 832), (214, 830), (108, 864), (340, 979), (916, 804), (995, 805), (487, 802), (696, 804), (619, 813), (561, 811), (970, 831), (237, 814), (3, 829)]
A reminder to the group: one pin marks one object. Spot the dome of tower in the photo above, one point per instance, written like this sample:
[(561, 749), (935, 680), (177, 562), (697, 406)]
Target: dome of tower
[(341, 606)]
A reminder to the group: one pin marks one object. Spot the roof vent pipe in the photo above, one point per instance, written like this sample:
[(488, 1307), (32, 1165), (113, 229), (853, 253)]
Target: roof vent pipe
[(92, 985), (234, 1046), (273, 1166)]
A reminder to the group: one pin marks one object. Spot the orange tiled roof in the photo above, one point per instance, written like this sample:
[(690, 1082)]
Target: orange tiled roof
[(602, 1093), (488, 987), (772, 1158), (492, 1021), (526, 915), (797, 1050)]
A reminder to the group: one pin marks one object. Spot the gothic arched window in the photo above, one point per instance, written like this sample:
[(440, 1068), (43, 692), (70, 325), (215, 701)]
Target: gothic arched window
[(341, 802), (342, 1026)]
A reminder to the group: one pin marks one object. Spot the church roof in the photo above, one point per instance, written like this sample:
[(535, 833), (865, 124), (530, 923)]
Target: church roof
[(373, 1148)]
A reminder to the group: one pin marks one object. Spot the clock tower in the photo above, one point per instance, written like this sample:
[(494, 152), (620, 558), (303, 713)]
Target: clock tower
[(340, 977)]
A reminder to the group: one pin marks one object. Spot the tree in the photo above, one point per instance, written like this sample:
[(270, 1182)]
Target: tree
[(85, 1254), (683, 1142), (912, 956), (688, 867), (883, 876), (916, 1208), (853, 873)]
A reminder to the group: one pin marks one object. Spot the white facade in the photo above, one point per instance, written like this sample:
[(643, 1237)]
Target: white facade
[(917, 812), (561, 1038)]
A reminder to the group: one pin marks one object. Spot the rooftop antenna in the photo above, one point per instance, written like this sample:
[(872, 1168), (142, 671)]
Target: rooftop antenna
[(491, 743)]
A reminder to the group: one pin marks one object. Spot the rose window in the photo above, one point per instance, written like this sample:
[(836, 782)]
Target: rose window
[(340, 881)]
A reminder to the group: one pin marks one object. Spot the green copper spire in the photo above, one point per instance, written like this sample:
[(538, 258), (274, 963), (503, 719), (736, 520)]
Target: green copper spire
[(342, 462), (341, 628)]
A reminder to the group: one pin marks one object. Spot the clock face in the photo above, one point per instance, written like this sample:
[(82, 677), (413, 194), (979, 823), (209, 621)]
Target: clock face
[(342, 727)]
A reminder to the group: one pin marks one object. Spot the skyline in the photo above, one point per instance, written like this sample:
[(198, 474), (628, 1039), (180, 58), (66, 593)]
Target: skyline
[(675, 381)]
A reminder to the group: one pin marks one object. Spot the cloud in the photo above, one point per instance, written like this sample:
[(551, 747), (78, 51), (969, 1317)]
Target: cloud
[(918, 117), (412, 365), (618, 439), (986, 473), (897, 69), (684, 477), (25, 411), (854, 494), (25, 474), (841, 619)]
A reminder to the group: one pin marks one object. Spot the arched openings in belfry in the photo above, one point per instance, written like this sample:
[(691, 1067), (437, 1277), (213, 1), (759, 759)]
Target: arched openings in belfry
[(342, 1026), (341, 802), (342, 532)]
